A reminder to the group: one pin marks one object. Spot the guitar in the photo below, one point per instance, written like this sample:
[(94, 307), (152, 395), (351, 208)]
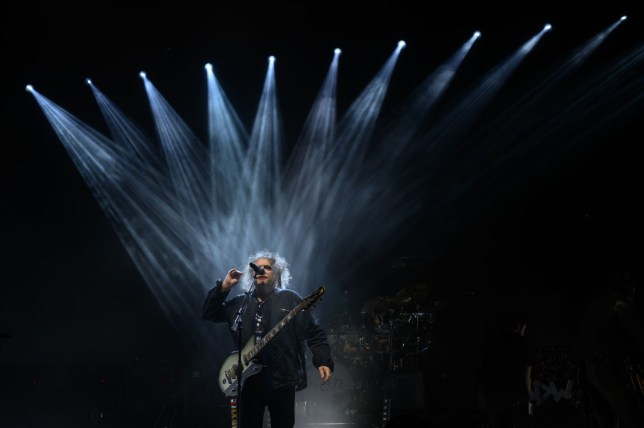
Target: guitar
[(228, 382)]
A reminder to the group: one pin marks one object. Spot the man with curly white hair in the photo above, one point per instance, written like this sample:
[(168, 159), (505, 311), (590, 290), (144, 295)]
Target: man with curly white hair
[(282, 359)]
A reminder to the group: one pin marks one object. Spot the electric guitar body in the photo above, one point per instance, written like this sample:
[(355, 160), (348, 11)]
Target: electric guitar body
[(228, 371)]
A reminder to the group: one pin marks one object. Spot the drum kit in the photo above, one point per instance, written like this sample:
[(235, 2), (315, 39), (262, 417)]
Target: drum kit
[(395, 332), (394, 335)]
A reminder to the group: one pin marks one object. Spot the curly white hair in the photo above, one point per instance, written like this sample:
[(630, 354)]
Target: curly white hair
[(281, 271)]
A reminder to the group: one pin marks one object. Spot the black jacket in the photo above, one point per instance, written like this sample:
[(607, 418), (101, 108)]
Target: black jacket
[(283, 357)]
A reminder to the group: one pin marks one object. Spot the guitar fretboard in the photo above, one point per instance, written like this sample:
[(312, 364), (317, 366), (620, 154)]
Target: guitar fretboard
[(268, 336)]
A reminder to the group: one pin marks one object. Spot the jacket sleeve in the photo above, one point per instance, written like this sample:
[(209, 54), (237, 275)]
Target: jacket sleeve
[(216, 308), (316, 340)]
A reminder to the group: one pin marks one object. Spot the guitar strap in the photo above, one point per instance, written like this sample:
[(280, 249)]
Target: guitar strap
[(233, 412), (259, 323)]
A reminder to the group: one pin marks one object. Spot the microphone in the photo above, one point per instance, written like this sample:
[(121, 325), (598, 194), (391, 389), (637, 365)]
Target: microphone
[(258, 270)]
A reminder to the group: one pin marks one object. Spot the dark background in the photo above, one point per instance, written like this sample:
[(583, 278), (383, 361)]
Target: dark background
[(76, 314)]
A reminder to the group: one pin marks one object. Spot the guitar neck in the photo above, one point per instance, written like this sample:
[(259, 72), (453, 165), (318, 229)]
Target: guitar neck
[(268, 336)]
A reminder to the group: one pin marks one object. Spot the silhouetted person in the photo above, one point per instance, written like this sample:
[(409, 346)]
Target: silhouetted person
[(611, 344), (504, 373)]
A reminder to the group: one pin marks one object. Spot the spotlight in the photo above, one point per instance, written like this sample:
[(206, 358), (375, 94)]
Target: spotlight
[(547, 27), (623, 18), (29, 88), (402, 44), (88, 81), (337, 51), (477, 34), (142, 74), (271, 59)]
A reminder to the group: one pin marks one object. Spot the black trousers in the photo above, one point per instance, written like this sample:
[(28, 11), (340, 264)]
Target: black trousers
[(256, 397)]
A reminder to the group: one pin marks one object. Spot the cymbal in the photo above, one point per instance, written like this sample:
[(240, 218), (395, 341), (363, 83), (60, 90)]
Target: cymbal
[(414, 293), (418, 298)]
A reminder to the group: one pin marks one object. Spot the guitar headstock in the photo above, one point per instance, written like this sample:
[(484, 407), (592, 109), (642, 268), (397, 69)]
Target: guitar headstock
[(310, 300)]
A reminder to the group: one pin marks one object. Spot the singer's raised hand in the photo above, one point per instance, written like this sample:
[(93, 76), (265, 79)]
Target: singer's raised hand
[(232, 278)]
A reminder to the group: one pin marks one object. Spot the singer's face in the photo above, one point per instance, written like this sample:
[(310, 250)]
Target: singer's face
[(265, 282)]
